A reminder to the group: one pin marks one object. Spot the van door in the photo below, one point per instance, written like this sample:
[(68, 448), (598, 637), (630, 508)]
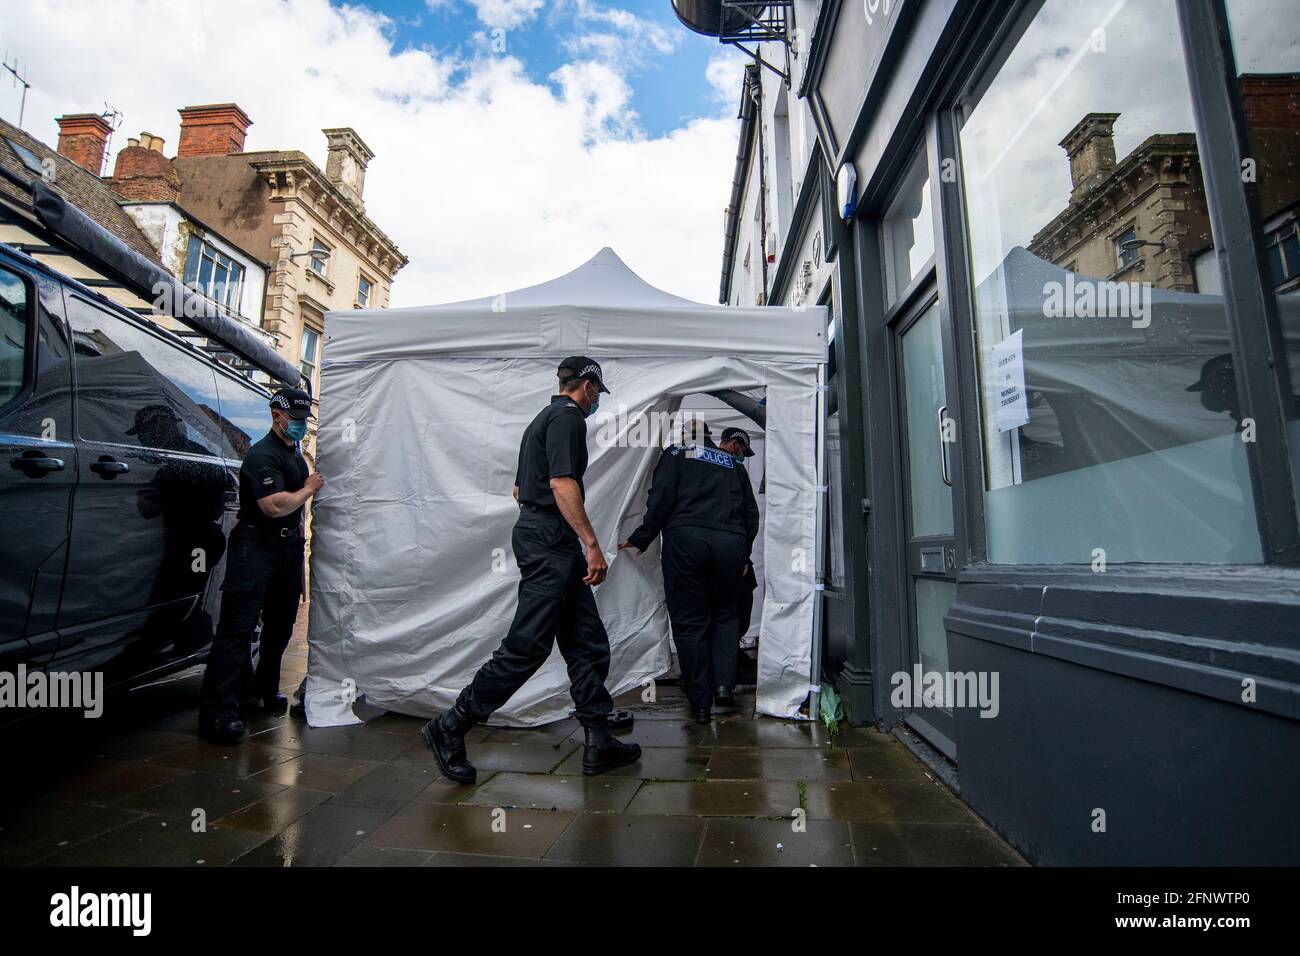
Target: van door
[(146, 516), (38, 463)]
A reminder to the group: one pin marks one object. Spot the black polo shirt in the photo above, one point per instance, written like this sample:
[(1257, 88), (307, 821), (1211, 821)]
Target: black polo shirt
[(270, 466), (554, 446)]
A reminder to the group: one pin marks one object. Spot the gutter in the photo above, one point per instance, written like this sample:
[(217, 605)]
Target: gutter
[(730, 228)]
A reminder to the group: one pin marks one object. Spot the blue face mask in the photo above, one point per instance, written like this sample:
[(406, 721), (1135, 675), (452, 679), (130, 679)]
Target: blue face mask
[(592, 411), (296, 429)]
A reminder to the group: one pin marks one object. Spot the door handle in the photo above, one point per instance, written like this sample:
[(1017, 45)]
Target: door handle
[(943, 449), (108, 466), (34, 464)]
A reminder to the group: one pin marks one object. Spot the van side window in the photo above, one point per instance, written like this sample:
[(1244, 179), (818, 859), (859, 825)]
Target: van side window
[(135, 388), (13, 335), (245, 416)]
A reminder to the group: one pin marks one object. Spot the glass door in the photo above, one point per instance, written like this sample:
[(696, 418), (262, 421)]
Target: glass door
[(931, 578)]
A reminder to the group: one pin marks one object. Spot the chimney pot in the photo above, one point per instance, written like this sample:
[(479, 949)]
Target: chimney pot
[(83, 138)]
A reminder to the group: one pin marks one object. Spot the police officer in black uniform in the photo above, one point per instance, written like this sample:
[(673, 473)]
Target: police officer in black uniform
[(560, 560), (698, 501), (735, 442), (263, 572)]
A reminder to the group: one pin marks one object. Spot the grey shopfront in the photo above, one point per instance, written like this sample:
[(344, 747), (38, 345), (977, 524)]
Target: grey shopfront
[(1066, 404)]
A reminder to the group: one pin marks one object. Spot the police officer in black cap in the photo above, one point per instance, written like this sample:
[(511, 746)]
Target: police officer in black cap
[(701, 502), (560, 561), (263, 572), (735, 442)]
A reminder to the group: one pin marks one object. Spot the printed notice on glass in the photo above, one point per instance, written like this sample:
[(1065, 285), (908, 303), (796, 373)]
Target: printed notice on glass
[(1011, 409)]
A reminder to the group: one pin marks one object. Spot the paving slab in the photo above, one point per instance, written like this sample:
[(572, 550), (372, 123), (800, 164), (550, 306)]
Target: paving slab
[(809, 763), (318, 772), (556, 792), (628, 840), (724, 798), (656, 763), (729, 842), (885, 800), (930, 844), (275, 813), (322, 837), (153, 841), (472, 829)]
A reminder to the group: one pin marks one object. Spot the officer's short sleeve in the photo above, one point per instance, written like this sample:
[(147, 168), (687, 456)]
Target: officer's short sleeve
[(566, 435), (264, 474)]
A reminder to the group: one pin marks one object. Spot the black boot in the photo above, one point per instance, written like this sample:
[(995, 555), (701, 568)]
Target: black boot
[(445, 738), (605, 751), (223, 730), (723, 702)]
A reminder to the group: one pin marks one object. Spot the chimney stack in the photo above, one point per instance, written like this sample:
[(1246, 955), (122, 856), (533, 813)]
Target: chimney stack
[(218, 129), (143, 174), (83, 138), (345, 165), (1091, 148)]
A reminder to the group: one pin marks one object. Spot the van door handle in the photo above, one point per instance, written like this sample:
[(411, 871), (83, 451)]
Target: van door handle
[(35, 464), (108, 466)]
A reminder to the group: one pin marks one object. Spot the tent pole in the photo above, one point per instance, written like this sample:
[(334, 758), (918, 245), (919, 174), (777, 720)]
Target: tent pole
[(819, 557)]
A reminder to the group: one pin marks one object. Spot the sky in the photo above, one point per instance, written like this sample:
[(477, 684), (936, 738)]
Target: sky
[(512, 138)]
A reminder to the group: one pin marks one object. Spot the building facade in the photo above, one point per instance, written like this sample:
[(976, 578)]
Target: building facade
[(1063, 557), (309, 224)]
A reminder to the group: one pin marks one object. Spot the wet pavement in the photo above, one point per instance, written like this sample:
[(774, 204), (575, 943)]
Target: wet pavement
[(137, 787)]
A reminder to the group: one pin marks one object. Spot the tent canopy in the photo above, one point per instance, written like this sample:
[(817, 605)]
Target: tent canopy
[(413, 580), (601, 308)]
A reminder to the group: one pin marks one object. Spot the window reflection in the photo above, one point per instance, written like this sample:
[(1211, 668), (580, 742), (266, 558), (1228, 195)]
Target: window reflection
[(1112, 429)]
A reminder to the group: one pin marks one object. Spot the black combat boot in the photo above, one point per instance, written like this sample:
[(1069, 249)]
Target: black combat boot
[(223, 730), (605, 751), (445, 738)]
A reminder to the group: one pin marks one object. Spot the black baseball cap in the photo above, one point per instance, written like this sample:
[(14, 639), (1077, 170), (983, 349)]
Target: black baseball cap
[(294, 401), (740, 435), (579, 366)]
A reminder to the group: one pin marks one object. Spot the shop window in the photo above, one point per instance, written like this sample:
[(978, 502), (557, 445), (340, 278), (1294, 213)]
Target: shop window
[(1266, 50), (1112, 430), (907, 231)]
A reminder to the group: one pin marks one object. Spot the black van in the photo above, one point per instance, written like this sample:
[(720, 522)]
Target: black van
[(120, 446)]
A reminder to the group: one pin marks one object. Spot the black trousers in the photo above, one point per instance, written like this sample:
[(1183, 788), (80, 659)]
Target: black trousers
[(554, 606), (702, 582), (263, 579), (747, 589)]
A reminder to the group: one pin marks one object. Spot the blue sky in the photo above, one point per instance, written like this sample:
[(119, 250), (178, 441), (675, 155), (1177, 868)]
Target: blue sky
[(668, 86), (512, 138)]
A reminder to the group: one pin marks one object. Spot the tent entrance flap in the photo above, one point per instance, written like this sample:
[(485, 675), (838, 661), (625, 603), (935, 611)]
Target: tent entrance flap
[(421, 410)]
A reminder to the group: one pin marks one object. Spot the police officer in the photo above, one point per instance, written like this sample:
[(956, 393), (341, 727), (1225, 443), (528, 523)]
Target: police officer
[(698, 502), (560, 560), (735, 442), (263, 571)]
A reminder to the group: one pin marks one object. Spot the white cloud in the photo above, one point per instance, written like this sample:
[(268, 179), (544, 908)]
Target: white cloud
[(486, 179), (506, 14), (611, 35), (725, 73)]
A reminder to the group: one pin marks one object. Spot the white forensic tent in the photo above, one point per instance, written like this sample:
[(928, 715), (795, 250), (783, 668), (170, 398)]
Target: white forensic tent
[(413, 583)]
